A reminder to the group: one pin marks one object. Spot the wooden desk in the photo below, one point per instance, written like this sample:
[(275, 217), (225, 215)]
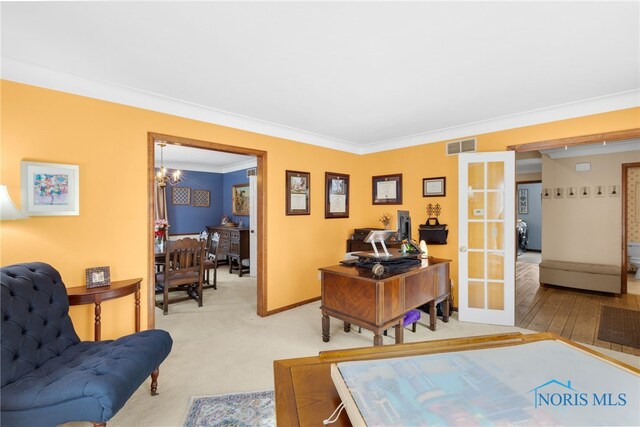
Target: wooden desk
[(355, 296), (306, 395), (82, 295)]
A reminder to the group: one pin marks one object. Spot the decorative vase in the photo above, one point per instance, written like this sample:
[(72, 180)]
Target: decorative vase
[(159, 243)]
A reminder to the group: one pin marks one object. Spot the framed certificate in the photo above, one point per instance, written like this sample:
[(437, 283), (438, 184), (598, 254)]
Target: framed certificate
[(387, 189), (434, 187), (298, 193), (336, 195)]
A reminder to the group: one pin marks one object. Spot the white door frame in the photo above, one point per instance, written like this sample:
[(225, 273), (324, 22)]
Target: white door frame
[(505, 316)]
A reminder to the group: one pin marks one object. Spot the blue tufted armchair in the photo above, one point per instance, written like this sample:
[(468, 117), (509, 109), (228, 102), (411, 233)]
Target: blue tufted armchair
[(48, 375)]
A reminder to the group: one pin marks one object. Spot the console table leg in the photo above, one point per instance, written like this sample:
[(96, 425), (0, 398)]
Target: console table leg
[(325, 328), (138, 310), (347, 327), (432, 315), (377, 339), (97, 325), (399, 333)]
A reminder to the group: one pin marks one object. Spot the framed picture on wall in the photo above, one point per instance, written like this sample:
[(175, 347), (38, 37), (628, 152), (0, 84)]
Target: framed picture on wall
[(599, 191), (572, 192), (434, 187), (50, 189), (240, 199), (181, 196), (523, 201), (201, 198), (298, 188), (387, 189), (336, 203)]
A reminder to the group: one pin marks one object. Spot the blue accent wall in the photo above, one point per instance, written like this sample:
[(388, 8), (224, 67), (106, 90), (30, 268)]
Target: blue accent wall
[(189, 219), (228, 181), (534, 217)]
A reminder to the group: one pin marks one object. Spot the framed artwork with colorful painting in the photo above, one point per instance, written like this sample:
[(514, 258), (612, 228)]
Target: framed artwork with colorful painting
[(240, 199), (50, 189)]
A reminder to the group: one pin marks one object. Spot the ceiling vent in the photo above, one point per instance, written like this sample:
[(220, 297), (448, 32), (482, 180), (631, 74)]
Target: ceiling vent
[(252, 172), (464, 146)]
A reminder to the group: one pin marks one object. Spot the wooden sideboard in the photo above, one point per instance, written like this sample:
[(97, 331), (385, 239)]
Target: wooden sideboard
[(234, 245), (356, 296)]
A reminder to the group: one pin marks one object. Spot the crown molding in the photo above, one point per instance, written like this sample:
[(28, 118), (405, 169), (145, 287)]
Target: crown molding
[(50, 78), (602, 104), (36, 75), (203, 167), (594, 150)]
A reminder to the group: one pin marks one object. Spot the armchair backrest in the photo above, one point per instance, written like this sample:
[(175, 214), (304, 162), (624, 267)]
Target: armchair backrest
[(184, 260), (35, 318)]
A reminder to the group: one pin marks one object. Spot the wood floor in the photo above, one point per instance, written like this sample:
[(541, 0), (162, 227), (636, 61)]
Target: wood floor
[(570, 313)]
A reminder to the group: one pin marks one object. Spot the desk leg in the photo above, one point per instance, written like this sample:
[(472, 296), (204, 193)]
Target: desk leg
[(377, 339), (97, 325), (347, 327), (399, 333), (432, 315), (138, 310), (445, 309), (325, 328)]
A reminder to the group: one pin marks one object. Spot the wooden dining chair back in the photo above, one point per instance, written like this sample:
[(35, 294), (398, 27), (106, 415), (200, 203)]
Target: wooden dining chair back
[(183, 268), (211, 261)]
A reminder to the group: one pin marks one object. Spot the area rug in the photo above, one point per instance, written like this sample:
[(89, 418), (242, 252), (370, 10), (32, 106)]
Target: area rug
[(254, 409), (620, 326)]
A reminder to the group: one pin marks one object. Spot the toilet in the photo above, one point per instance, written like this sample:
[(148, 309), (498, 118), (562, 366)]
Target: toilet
[(633, 252)]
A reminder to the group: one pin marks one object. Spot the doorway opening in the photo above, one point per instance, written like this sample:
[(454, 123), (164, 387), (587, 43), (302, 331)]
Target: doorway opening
[(630, 195), (257, 226)]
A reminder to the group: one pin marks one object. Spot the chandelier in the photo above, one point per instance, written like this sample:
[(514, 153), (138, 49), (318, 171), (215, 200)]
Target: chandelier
[(164, 176)]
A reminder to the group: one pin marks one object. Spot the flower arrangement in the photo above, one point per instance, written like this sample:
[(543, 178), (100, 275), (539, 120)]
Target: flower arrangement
[(160, 228), (385, 220)]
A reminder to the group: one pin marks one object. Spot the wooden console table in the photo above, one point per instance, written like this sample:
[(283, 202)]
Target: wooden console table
[(355, 296), (82, 295)]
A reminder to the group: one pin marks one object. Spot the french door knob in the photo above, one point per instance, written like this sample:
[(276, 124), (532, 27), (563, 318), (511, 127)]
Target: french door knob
[(253, 231)]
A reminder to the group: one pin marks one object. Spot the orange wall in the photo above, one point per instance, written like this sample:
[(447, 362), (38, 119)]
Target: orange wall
[(429, 160), (109, 142)]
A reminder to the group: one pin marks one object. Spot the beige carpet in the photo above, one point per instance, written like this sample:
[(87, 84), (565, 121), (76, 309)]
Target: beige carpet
[(225, 347)]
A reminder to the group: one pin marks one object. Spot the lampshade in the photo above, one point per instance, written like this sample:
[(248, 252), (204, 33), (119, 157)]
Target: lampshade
[(7, 209)]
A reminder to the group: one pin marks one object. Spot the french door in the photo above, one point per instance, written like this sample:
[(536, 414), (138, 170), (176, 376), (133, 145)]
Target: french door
[(486, 222)]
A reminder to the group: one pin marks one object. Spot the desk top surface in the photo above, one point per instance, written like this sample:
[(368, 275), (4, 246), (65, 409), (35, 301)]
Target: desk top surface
[(365, 272), (118, 287)]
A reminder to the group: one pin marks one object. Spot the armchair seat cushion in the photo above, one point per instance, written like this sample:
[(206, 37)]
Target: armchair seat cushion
[(87, 378)]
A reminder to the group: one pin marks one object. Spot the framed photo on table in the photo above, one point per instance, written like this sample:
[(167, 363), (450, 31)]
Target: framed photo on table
[(434, 187), (98, 276), (50, 189), (298, 185), (336, 190), (387, 189)]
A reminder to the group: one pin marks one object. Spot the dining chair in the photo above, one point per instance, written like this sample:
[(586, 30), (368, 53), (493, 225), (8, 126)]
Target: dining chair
[(183, 270), (211, 260)]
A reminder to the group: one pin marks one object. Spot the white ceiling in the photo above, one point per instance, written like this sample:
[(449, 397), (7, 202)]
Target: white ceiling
[(196, 159), (357, 76)]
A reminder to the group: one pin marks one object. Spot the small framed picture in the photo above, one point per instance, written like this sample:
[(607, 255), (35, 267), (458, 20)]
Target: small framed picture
[(572, 192), (201, 198), (434, 187), (336, 199), (181, 196), (50, 189), (585, 191), (387, 189), (240, 199), (558, 193), (298, 188), (546, 193), (599, 191), (614, 191), (98, 276)]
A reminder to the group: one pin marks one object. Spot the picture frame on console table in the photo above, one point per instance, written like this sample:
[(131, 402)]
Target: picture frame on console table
[(336, 198), (98, 276), (387, 189), (50, 189), (298, 187)]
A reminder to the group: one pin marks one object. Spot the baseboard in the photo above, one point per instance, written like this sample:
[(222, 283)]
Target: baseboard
[(289, 307)]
